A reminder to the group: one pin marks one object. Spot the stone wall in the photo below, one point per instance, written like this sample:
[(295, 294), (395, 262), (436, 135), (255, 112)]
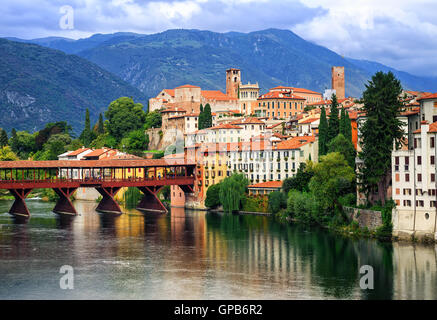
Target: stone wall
[(365, 218), (155, 138)]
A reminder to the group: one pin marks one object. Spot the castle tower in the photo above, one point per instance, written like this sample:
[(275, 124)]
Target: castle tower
[(338, 82), (233, 80)]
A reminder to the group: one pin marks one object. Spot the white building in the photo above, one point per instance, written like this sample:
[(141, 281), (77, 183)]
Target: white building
[(414, 185)]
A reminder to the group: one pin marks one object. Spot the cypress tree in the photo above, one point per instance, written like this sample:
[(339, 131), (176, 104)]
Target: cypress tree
[(100, 127), (333, 124), (86, 135), (207, 118), (200, 119), (348, 127), (3, 138), (381, 131), (323, 134), (342, 128)]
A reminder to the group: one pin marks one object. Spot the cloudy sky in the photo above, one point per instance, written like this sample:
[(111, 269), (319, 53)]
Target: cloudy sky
[(398, 33)]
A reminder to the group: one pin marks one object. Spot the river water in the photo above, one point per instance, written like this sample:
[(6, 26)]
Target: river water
[(197, 255)]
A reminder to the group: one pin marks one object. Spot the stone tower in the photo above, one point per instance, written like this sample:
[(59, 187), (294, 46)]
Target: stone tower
[(233, 80), (338, 82)]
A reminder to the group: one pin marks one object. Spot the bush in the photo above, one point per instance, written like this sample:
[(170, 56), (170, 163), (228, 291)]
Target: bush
[(255, 204), (277, 201), (213, 196)]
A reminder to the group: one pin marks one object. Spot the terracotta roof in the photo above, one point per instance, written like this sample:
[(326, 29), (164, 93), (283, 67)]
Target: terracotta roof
[(90, 163), (250, 120), (78, 151), (295, 143), (173, 109), (98, 152), (432, 128), (268, 184), (280, 95), (170, 92), (309, 120), (428, 96), (123, 157), (411, 112), (275, 125), (187, 86), (224, 126), (216, 95), (301, 90)]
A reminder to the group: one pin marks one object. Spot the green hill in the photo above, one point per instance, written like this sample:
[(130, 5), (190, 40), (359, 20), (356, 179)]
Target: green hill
[(40, 85), (272, 57)]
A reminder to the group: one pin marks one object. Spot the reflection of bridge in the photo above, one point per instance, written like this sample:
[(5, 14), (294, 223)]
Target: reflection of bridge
[(106, 176)]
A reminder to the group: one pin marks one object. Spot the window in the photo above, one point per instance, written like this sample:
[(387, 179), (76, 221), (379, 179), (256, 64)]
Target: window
[(419, 177), (432, 143), (432, 160), (432, 177), (419, 160), (407, 177)]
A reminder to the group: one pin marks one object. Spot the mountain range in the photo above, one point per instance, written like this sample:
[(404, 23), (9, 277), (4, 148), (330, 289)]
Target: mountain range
[(40, 85), (176, 57)]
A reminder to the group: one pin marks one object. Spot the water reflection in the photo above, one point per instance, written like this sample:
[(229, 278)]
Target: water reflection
[(197, 255)]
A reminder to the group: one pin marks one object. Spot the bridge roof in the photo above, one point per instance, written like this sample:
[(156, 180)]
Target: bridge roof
[(28, 164)]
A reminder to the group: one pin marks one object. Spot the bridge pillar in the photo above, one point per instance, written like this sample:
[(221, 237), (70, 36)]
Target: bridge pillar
[(19, 207), (150, 201), (64, 205), (108, 204)]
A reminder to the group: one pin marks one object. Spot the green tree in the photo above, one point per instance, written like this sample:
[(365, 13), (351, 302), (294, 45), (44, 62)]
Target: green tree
[(56, 145), (323, 134), (100, 126), (277, 201), (153, 120), (207, 117), (124, 116), (6, 154), (299, 181), (232, 191), (342, 125), (3, 138), (136, 142), (345, 147), (334, 122), (200, 118), (50, 129), (87, 135), (213, 196), (381, 130), (348, 128), (332, 179), (23, 143)]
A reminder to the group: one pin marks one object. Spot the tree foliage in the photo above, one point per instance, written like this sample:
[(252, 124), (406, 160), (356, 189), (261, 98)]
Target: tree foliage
[(6, 154), (332, 179), (379, 132), (213, 196), (3, 138), (205, 117), (334, 122), (299, 181), (323, 134), (124, 116), (87, 134), (232, 191), (153, 120), (277, 201), (345, 147)]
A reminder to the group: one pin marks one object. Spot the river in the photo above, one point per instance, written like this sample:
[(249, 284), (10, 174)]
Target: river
[(197, 255)]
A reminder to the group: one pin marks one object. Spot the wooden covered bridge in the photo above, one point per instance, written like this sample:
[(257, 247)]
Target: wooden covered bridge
[(106, 176)]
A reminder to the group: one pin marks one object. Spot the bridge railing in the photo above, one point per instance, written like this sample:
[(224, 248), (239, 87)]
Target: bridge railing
[(95, 179)]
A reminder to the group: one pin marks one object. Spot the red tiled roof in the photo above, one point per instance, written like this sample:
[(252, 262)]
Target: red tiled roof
[(310, 120), (280, 95), (250, 120), (432, 128), (295, 143), (169, 91), (98, 152), (91, 163), (268, 185), (173, 109), (76, 152), (216, 95), (428, 96), (275, 125), (224, 126), (187, 86), (301, 90)]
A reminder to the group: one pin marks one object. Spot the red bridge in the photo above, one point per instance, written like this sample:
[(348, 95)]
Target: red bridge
[(106, 176)]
